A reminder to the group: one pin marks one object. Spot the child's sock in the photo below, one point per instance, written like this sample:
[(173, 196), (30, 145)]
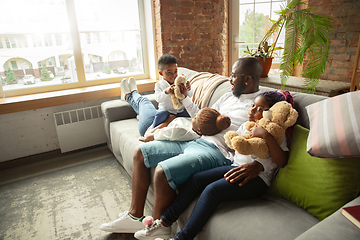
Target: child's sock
[(134, 218)]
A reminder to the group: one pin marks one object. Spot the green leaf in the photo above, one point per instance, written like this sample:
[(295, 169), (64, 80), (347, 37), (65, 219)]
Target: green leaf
[(307, 36)]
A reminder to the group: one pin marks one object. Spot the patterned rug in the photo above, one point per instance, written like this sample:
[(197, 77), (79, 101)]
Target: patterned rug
[(68, 203)]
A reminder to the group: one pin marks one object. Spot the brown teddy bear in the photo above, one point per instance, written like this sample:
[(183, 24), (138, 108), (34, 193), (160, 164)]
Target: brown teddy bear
[(177, 96), (276, 120)]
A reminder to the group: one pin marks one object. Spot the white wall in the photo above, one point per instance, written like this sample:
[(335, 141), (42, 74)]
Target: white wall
[(32, 132)]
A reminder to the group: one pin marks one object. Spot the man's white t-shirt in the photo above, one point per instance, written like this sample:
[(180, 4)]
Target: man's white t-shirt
[(236, 108)]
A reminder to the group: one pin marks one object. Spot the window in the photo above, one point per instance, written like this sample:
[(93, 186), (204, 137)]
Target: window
[(83, 42), (47, 40), (251, 20), (14, 65), (58, 39), (37, 40)]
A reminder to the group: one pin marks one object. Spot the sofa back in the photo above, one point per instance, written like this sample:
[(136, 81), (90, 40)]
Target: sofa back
[(301, 99)]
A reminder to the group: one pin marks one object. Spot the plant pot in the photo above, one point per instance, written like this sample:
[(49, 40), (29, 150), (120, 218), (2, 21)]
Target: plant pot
[(266, 66)]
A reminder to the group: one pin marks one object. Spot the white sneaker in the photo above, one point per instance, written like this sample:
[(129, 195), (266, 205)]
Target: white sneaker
[(124, 224), (155, 230), (132, 84), (124, 86)]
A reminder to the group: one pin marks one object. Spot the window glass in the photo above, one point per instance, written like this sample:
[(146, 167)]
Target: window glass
[(110, 38), (38, 45), (42, 47), (254, 20)]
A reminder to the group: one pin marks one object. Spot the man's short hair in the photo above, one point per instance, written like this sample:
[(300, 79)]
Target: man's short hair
[(251, 66), (165, 60)]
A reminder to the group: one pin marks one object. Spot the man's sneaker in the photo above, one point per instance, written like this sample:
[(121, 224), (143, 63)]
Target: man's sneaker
[(124, 224), (155, 230), (132, 84), (124, 87)]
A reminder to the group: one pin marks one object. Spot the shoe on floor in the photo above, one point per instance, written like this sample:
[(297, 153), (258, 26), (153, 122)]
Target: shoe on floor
[(155, 230), (124, 86), (124, 224), (132, 84)]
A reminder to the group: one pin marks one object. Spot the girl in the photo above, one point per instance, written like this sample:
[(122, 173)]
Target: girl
[(248, 177)]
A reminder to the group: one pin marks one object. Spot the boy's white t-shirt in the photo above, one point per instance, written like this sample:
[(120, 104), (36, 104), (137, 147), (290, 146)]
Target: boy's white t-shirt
[(179, 129), (268, 164), (164, 100)]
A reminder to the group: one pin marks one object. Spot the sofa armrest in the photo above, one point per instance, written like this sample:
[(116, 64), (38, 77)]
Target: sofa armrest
[(336, 226), (117, 110)]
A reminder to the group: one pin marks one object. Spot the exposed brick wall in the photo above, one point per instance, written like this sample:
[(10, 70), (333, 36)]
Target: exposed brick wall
[(196, 32), (344, 39)]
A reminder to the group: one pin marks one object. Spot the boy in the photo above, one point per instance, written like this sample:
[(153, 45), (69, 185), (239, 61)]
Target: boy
[(167, 65)]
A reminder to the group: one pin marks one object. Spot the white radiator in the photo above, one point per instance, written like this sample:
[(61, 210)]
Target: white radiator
[(79, 128)]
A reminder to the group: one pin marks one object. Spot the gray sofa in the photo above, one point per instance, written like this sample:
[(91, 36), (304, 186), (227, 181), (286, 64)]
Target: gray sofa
[(269, 217)]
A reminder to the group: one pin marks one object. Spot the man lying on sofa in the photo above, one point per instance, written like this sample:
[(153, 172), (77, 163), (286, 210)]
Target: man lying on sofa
[(175, 161)]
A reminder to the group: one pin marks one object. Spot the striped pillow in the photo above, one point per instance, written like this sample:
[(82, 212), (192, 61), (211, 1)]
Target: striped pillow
[(335, 127)]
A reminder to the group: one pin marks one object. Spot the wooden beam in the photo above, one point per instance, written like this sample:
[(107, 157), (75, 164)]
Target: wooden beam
[(356, 72)]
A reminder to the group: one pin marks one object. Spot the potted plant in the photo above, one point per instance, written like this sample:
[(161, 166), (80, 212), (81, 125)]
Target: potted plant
[(264, 53), (307, 36)]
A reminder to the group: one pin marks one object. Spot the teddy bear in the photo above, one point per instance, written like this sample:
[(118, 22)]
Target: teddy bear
[(177, 96), (276, 120)]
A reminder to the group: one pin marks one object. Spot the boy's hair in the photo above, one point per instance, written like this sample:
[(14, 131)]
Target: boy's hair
[(211, 122), (165, 60), (273, 97)]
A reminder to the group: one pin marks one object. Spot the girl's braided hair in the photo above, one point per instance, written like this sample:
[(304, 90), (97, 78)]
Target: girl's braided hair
[(273, 97), (211, 122)]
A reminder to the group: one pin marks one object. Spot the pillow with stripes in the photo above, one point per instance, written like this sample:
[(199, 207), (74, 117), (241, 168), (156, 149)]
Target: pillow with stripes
[(335, 127)]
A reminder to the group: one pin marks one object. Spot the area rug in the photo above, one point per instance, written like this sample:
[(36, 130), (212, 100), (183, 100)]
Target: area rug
[(69, 203)]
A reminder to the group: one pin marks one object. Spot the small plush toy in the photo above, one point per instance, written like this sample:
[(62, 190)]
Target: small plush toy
[(180, 84), (147, 221), (276, 120)]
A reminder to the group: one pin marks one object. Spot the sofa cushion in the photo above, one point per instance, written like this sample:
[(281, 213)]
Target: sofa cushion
[(321, 186), (268, 217), (334, 126), (124, 140), (302, 100)]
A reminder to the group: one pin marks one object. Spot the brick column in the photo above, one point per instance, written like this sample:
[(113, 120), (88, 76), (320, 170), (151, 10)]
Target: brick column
[(344, 39), (196, 32)]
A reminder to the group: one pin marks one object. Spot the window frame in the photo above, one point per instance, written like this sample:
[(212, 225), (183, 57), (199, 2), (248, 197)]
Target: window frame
[(147, 41)]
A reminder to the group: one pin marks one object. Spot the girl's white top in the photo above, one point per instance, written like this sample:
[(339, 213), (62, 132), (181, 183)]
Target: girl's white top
[(268, 164), (236, 108)]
